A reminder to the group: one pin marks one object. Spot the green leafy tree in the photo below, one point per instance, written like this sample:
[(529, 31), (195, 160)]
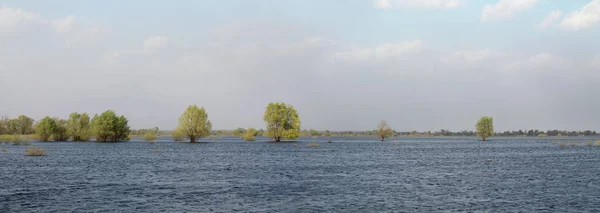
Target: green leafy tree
[(60, 132), (239, 132), (24, 125), (282, 121), (150, 136), (249, 135), (108, 127), (485, 127), (383, 131), (78, 127), (45, 128), (194, 123)]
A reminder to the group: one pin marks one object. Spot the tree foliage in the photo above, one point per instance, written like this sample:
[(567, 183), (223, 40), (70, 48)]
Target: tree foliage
[(150, 136), (108, 127), (282, 121), (383, 131), (194, 123), (178, 135), (24, 125), (485, 127), (45, 128), (60, 132), (78, 127), (250, 134)]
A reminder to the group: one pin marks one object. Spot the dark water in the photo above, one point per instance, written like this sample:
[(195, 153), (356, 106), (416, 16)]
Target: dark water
[(415, 175)]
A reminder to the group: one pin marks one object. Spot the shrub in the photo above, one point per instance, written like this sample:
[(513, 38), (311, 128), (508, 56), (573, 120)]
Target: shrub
[(562, 144), (60, 131), (3, 149), (18, 140), (314, 145), (35, 151), (150, 136), (108, 127), (155, 150), (45, 128), (597, 143), (249, 134), (178, 135), (589, 143)]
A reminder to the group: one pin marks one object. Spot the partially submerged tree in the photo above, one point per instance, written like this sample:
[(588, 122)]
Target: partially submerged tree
[(282, 121), (194, 123), (24, 125), (177, 135), (78, 127), (249, 135), (108, 127), (60, 132), (485, 127), (45, 128), (383, 131)]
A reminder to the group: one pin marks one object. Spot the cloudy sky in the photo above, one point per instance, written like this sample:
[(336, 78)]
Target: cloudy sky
[(344, 64)]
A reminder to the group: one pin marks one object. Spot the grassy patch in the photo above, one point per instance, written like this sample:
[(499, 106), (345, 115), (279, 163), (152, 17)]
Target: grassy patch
[(311, 144), (35, 151), (155, 150)]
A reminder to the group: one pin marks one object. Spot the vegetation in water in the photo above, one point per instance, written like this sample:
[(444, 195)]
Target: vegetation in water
[(79, 127), (282, 121), (485, 127), (45, 128), (312, 144), (383, 131), (108, 127), (249, 135), (194, 123), (35, 151)]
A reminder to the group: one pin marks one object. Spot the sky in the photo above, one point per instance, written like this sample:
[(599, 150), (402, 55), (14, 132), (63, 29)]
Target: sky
[(343, 64)]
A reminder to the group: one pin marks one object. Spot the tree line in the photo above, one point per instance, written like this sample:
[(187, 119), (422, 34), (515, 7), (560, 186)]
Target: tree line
[(282, 123)]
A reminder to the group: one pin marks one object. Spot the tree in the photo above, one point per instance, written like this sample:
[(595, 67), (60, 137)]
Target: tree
[(239, 132), (60, 132), (45, 128), (282, 121), (485, 127), (249, 135), (383, 131), (78, 126), (150, 136), (108, 127), (24, 125), (194, 123), (178, 135)]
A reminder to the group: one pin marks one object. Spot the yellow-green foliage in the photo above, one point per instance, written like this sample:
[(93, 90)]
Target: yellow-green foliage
[(485, 127), (282, 121), (597, 143), (3, 149), (311, 144), (35, 151), (249, 135), (589, 143), (194, 123), (383, 131), (178, 135), (150, 136), (18, 140)]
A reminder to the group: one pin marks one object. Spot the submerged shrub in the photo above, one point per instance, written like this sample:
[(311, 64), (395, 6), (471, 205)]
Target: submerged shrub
[(194, 123), (35, 151), (60, 131), (3, 149), (313, 144), (18, 140), (178, 135), (249, 134), (597, 143), (155, 150), (589, 143), (150, 136)]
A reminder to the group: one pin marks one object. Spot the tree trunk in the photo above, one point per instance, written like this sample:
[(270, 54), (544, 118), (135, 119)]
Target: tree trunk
[(192, 139), (277, 139), (482, 138), (382, 138)]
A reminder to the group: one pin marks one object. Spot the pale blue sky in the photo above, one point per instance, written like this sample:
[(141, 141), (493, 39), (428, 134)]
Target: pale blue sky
[(441, 63)]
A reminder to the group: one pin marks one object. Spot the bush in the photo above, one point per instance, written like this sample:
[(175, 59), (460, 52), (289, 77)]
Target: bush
[(314, 145), (178, 135), (155, 150), (35, 151), (108, 127), (150, 136), (18, 140), (597, 143), (3, 149), (249, 134)]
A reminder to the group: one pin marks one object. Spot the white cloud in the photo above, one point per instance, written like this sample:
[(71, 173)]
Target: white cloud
[(155, 43), (381, 52), (505, 9), (582, 19), (72, 34), (417, 4), (14, 19), (550, 19), (475, 55)]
